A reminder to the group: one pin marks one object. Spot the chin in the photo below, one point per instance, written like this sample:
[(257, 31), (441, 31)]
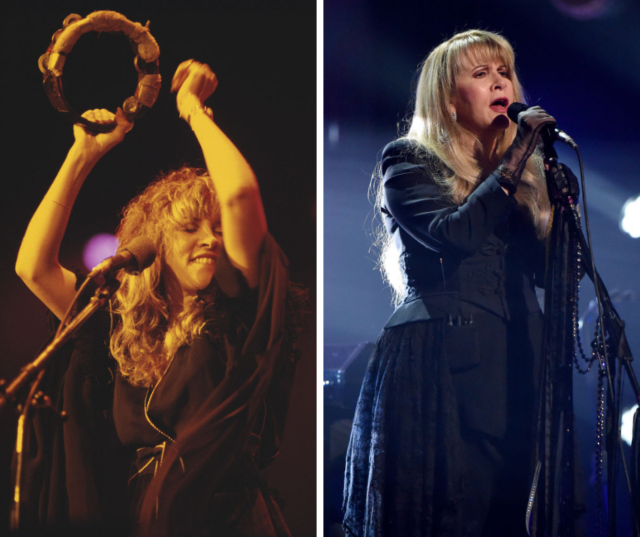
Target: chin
[(203, 284)]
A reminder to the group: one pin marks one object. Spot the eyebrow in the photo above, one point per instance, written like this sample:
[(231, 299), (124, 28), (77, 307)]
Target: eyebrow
[(486, 66)]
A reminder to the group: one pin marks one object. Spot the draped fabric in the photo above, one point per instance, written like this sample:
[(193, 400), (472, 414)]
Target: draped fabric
[(418, 465), (552, 504), (215, 437), (404, 471), (76, 472)]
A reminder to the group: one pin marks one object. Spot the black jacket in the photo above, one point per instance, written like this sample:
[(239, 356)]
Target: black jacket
[(479, 256)]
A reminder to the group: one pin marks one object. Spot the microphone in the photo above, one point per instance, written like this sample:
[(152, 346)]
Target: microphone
[(134, 258), (549, 131)]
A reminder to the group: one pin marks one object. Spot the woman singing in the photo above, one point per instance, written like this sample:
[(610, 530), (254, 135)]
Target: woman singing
[(176, 394), (442, 436)]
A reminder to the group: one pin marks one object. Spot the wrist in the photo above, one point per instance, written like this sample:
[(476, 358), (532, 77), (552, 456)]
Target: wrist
[(83, 157), (187, 104), (507, 178), (512, 165), (190, 107), (200, 112)]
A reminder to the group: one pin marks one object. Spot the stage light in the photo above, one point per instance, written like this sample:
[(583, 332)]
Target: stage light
[(98, 248), (584, 9), (334, 133), (626, 429), (630, 219)]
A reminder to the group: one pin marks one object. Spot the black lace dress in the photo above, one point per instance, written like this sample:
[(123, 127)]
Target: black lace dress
[(441, 438)]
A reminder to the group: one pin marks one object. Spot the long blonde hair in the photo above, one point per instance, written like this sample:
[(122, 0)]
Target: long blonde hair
[(138, 340), (435, 133)]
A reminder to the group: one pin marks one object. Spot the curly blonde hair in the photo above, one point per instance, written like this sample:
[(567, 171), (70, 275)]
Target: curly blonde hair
[(435, 133), (140, 341)]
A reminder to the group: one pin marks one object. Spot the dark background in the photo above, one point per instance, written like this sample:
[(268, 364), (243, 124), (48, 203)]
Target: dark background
[(264, 55), (583, 70)]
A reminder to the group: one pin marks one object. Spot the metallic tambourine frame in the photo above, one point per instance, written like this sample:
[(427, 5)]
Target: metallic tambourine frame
[(146, 63)]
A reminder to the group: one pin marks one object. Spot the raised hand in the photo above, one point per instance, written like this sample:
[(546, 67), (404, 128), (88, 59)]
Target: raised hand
[(194, 82), (96, 145), (530, 124)]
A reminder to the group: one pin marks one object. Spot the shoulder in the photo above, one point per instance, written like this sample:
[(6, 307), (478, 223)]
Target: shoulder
[(405, 155), (402, 150), (399, 147)]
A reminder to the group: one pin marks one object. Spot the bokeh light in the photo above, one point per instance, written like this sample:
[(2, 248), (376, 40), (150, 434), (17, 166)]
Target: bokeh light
[(98, 248), (626, 429), (630, 219), (583, 9)]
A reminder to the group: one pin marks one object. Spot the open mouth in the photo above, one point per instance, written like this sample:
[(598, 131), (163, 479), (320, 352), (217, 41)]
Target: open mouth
[(500, 105)]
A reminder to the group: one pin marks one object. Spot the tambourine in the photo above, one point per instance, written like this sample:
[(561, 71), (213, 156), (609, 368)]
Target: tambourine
[(146, 63)]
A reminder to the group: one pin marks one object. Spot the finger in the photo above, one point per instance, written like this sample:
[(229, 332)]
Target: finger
[(99, 116), (90, 115), (122, 123), (194, 85), (212, 81), (105, 116), (186, 65), (535, 118), (182, 72), (207, 82), (534, 112), (547, 119)]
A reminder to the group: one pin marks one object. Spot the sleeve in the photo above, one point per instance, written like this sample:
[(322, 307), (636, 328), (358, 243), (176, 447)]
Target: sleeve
[(260, 364), (276, 308), (66, 460), (414, 199)]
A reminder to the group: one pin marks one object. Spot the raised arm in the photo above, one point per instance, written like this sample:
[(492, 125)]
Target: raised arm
[(37, 263), (243, 221)]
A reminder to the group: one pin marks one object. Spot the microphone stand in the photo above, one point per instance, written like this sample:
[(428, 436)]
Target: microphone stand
[(614, 339), (37, 369), (28, 372), (618, 346)]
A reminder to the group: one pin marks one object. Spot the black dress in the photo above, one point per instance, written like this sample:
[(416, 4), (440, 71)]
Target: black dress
[(214, 419), (440, 443)]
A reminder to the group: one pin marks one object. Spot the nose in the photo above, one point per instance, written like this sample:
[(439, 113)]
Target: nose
[(498, 81), (208, 238)]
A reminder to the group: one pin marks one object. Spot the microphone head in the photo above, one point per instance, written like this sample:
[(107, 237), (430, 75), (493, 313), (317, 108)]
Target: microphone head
[(514, 111), (143, 251)]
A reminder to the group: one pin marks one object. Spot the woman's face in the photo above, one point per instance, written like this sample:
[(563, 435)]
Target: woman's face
[(191, 254), (483, 92)]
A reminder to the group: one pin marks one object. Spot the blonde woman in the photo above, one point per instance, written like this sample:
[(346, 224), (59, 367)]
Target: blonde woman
[(176, 394), (442, 433)]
